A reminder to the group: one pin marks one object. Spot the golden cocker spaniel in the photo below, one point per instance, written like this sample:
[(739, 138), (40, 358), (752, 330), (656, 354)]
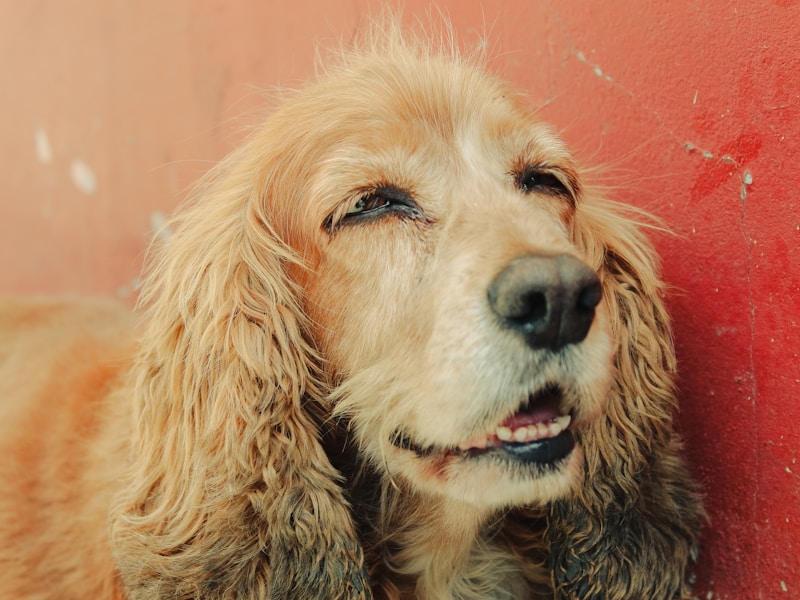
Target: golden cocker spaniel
[(394, 348)]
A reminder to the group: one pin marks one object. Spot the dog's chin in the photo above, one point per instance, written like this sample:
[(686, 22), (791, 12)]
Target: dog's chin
[(531, 456)]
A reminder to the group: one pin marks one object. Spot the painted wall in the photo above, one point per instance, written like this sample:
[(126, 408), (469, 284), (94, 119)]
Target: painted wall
[(692, 109)]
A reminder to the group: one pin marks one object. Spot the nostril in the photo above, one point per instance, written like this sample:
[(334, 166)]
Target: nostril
[(530, 308), (590, 297)]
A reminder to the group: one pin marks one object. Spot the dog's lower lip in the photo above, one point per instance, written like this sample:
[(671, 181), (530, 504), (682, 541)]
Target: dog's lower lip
[(542, 451)]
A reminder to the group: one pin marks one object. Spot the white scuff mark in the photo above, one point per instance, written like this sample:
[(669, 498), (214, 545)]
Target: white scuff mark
[(44, 151), (783, 586), (129, 289), (694, 100), (690, 147), (747, 179), (83, 177), (708, 155), (159, 225), (595, 68)]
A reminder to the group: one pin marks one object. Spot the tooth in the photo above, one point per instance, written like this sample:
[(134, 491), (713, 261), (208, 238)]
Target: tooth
[(555, 428), (533, 432), (544, 430), (504, 433), (564, 421), (521, 434)]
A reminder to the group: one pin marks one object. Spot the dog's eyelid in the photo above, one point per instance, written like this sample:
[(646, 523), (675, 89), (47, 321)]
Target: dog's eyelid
[(547, 180), (380, 197)]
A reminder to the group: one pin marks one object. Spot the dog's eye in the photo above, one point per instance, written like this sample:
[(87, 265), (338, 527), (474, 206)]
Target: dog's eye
[(380, 201), (369, 203), (374, 204), (541, 180)]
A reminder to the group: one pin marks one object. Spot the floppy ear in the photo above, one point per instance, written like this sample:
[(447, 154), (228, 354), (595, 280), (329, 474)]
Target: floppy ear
[(230, 493), (632, 528)]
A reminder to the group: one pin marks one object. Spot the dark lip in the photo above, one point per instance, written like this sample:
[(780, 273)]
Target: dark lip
[(539, 452)]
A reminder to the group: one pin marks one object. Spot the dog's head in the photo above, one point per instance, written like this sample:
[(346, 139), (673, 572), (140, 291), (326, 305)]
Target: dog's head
[(461, 324)]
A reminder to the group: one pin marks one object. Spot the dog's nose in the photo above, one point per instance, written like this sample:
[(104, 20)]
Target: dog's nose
[(549, 299)]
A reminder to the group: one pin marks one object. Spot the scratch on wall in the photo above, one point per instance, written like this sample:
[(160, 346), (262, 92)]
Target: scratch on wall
[(595, 68), (662, 123), (83, 177), (159, 226), (44, 151), (747, 181)]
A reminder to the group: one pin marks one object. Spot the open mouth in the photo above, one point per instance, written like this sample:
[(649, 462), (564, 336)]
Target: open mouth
[(538, 432)]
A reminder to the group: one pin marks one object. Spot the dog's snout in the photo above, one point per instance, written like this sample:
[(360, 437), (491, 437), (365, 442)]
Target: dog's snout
[(549, 299)]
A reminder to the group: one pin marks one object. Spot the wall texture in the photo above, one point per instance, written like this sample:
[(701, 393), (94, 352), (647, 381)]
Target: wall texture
[(692, 109)]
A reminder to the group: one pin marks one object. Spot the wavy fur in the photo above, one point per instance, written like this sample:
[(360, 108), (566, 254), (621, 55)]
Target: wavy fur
[(248, 447)]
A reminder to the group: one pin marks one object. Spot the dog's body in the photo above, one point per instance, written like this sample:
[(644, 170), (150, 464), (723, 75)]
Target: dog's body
[(393, 349)]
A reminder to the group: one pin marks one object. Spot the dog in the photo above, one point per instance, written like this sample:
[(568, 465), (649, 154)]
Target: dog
[(395, 347)]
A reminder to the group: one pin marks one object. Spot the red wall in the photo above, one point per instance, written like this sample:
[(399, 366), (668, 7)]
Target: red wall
[(110, 110)]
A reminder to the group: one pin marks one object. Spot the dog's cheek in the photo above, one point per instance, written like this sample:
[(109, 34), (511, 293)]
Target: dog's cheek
[(595, 368), (365, 301)]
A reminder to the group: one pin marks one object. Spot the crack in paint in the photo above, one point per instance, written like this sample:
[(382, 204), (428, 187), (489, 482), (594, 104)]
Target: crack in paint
[(747, 179), (595, 68), (574, 51)]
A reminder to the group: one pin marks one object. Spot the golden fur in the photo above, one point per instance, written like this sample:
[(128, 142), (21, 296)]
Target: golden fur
[(247, 441)]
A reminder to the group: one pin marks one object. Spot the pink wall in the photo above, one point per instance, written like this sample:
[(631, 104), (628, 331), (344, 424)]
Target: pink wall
[(110, 110)]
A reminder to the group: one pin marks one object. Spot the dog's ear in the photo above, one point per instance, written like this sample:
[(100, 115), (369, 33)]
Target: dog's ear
[(230, 492), (632, 528)]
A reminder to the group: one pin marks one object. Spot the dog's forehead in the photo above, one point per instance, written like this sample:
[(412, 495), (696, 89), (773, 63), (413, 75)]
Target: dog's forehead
[(440, 96), (445, 107)]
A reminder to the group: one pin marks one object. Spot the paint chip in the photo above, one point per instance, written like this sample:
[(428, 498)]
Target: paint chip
[(783, 586), (747, 178), (129, 289), (83, 177), (44, 152), (595, 68), (159, 225)]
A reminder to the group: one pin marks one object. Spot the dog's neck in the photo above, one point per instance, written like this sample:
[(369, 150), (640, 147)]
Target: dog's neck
[(430, 542), (424, 546)]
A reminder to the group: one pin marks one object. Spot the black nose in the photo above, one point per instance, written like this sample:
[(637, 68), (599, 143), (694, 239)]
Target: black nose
[(549, 300)]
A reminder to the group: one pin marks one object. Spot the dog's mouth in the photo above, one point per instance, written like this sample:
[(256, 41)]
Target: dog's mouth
[(538, 432)]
